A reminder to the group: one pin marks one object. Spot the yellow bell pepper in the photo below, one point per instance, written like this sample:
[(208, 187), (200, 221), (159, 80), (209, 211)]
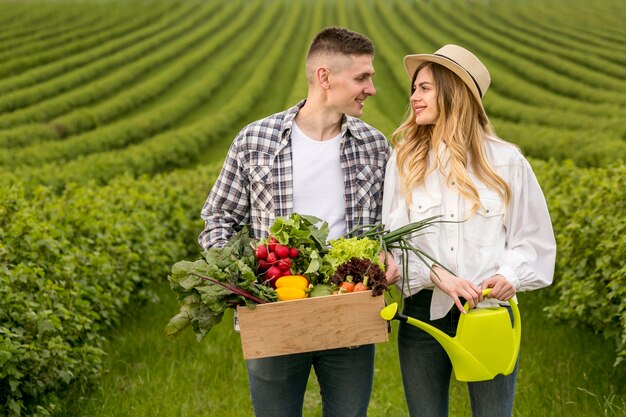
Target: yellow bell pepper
[(290, 293), (293, 281)]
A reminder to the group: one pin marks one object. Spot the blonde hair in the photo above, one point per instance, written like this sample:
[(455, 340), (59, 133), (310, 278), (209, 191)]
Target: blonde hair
[(464, 126)]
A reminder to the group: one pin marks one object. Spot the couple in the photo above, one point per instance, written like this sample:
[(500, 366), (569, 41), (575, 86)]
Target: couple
[(318, 158)]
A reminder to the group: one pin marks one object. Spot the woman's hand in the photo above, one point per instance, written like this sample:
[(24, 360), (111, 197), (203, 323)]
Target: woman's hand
[(392, 273), (456, 287), (501, 288)]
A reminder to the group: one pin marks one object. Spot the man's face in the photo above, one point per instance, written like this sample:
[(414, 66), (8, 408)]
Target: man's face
[(350, 83)]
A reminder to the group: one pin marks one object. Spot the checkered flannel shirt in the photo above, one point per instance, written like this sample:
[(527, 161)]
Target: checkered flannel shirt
[(255, 184)]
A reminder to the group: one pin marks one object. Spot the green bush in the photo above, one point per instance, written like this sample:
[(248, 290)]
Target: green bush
[(588, 209), (70, 264)]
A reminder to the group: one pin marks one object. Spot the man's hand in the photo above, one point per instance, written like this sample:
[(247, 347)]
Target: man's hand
[(392, 273)]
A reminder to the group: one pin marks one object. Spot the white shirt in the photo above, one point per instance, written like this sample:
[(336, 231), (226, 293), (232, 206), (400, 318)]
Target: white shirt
[(318, 188), (516, 242)]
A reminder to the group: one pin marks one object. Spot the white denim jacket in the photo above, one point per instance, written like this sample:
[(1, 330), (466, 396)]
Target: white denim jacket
[(515, 241)]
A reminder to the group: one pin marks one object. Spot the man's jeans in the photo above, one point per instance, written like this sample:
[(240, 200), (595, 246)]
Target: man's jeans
[(426, 368), (345, 376)]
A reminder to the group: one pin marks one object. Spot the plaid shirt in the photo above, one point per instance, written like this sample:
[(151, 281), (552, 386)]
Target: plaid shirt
[(256, 182)]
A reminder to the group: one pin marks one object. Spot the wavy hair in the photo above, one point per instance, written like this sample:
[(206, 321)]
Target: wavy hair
[(463, 126)]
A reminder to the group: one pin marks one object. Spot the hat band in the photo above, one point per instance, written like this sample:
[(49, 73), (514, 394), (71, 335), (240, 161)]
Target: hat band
[(480, 92)]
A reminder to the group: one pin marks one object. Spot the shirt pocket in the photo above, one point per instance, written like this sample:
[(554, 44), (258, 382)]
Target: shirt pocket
[(369, 186), (261, 195), (424, 205), (485, 226)]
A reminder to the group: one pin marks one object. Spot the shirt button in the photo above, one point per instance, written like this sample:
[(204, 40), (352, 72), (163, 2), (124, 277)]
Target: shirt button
[(419, 207), (453, 183), (452, 248), (452, 215)]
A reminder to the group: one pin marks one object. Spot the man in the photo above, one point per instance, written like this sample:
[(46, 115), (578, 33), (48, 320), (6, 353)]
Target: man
[(316, 158)]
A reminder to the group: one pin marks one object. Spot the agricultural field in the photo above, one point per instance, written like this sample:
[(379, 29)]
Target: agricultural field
[(115, 117)]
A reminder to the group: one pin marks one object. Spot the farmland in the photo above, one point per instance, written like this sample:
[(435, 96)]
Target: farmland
[(115, 117)]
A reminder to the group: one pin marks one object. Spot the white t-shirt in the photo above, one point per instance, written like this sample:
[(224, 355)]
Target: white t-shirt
[(318, 188)]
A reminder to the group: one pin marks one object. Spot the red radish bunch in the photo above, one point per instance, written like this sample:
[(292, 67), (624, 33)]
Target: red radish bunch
[(274, 260)]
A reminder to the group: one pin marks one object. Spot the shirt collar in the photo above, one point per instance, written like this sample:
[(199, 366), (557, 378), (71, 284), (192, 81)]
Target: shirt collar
[(348, 123)]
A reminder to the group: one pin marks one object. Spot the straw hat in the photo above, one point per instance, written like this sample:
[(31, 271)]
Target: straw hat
[(458, 60)]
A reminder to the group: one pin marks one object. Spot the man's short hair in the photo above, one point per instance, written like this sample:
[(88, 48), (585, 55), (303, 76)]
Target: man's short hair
[(336, 40)]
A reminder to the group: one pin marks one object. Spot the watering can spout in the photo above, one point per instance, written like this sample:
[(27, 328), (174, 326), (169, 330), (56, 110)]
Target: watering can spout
[(483, 347), (464, 363)]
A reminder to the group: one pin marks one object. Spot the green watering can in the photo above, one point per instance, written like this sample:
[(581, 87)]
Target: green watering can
[(485, 345)]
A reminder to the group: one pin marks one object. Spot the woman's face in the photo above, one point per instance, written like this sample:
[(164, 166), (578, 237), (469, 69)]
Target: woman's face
[(424, 98)]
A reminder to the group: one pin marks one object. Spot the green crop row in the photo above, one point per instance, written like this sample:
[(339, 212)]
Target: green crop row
[(124, 78), (605, 72), (86, 66), (586, 148), (178, 148), (416, 34), (81, 32), (490, 31), (103, 113), (450, 21), (19, 24), (69, 266), (134, 129), (525, 81), (588, 211)]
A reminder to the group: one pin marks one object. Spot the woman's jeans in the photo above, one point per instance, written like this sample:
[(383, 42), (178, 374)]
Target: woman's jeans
[(345, 376), (426, 368)]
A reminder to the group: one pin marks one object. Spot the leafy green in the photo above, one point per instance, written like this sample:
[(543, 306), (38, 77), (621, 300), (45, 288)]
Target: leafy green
[(343, 249), (306, 233), (298, 229), (224, 278)]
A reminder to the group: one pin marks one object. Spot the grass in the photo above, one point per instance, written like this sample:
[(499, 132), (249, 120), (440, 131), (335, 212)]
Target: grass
[(563, 372)]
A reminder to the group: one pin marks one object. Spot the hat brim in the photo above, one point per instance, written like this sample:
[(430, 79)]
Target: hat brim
[(411, 62)]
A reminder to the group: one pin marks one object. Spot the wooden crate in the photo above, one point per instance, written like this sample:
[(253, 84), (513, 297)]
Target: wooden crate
[(312, 324)]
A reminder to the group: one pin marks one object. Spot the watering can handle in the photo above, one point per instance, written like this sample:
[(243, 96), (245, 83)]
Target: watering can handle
[(486, 292)]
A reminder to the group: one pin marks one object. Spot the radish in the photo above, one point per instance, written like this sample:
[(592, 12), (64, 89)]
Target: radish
[(273, 273), (282, 251), (271, 258), (261, 252), (263, 265), (293, 252), (284, 264)]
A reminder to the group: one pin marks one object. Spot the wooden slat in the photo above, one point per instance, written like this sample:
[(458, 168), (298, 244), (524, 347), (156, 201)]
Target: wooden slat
[(312, 324)]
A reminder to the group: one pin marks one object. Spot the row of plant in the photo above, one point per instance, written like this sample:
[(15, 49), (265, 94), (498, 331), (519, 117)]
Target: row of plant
[(535, 71), (412, 38), (143, 125), (525, 81), (607, 71), (81, 33), (69, 266), (566, 43), (589, 141), (135, 95), (588, 211), (59, 60), (124, 78), (586, 148), (489, 31), (19, 25), (589, 26), (62, 75), (178, 148)]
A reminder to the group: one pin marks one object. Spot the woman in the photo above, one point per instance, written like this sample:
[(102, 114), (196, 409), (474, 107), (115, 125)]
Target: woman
[(448, 162)]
